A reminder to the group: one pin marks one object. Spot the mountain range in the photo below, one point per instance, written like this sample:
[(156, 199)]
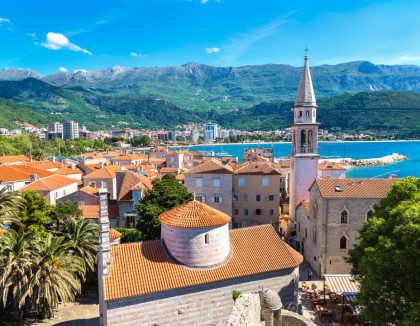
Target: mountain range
[(250, 97)]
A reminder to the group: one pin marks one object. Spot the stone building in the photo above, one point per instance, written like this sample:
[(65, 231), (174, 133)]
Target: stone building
[(212, 184), (329, 222), (256, 200), (331, 170), (304, 156), (188, 276), (104, 177)]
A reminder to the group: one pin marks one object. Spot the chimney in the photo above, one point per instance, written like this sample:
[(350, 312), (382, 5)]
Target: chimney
[(101, 165), (33, 177)]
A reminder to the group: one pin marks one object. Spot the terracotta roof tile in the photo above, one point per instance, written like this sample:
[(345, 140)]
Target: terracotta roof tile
[(65, 170), (353, 188), (212, 166), (49, 183), (90, 211), (306, 206), (326, 166), (255, 250), (90, 190), (260, 168), (8, 174), (194, 214), (132, 180), (13, 159), (107, 172), (130, 157), (45, 165), (41, 173), (114, 234)]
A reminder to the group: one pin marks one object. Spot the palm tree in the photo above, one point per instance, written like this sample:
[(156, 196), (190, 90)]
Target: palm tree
[(81, 237), (11, 202), (16, 261), (55, 277)]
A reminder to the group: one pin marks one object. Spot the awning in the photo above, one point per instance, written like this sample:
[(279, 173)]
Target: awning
[(342, 283)]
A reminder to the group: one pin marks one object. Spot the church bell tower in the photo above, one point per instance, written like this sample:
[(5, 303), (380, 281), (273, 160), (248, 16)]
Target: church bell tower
[(304, 156)]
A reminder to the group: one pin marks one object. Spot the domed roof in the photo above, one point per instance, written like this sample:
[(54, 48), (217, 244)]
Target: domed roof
[(271, 300), (194, 214)]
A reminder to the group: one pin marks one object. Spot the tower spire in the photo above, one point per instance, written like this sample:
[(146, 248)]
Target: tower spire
[(305, 95)]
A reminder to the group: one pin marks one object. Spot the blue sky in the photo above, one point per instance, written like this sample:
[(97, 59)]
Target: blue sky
[(96, 34)]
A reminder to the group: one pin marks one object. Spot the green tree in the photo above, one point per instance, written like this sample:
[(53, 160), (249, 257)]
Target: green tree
[(141, 141), (130, 235), (55, 276), (386, 257), (165, 195), (36, 213), (81, 236), (63, 212), (11, 202), (16, 262)]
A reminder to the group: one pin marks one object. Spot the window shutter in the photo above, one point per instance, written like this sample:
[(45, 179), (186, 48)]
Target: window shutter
[(220, 199), (204, 199)]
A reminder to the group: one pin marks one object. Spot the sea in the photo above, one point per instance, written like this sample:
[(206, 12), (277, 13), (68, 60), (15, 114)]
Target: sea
[(355, 150)]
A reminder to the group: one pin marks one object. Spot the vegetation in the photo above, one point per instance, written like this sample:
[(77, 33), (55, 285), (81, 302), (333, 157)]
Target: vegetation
[(46, 253), (165, 195), (141, 141), (386, 257), (129, 235), (11, 202), (235, 294)]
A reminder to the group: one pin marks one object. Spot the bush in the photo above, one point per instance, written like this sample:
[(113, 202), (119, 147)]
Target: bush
[(130, 235), (235, 294)]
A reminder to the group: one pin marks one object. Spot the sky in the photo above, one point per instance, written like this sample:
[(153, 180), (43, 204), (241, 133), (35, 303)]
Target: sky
[(58, 35)]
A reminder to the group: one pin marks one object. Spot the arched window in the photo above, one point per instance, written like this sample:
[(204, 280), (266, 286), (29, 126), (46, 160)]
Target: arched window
[(307, 114), (303, 139), (343, 242), (310, 140), (369, 214), (344, 217), (315, 210)]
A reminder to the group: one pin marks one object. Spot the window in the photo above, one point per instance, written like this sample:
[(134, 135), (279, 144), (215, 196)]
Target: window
[(56, 195), (258, 211), (369, 214), (235, 198), (270, 197), (241, 181), (344, 217), (198, 182), (300, 114), (307, 114), (299, 227), (265, 181), (217, 199), (200, 198), (206, 238), (314, 234), (258, 197), (343, 242), (216, 182), (245, 197), (246, 211), (235, 211), (271, 211)]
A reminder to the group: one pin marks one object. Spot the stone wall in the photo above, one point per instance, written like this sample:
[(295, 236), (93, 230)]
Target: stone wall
[(202, 305)]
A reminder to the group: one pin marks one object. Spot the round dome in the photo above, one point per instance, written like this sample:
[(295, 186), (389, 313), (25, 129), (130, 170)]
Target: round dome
[(196, 235), (194, 214), (271, 300)]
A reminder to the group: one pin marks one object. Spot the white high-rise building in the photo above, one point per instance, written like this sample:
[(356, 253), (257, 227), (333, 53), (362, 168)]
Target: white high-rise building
[(304, 156), (210, 132), (70, 130), (55, 130)]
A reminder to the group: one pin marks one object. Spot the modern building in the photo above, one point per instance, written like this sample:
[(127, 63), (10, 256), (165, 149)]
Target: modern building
[(70, 130), (223, 134), (194, 135), (210, 132), (327, 224), (188, 276), (256, 200), (211, 182), (304, 156), (55, 130)]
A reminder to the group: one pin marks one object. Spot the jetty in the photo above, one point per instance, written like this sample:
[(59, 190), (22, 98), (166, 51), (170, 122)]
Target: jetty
[(385, 160)]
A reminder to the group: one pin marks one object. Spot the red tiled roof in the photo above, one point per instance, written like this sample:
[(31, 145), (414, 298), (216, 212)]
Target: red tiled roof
[(353, 188), (326, 166), (8, 174), (13, 159), (49, 183), (45, 165), (65, 170), (211, 166), (194, 214), (130, 181), (141, 268), (258, 168), (107, 172), (41, 173), (114, 234)]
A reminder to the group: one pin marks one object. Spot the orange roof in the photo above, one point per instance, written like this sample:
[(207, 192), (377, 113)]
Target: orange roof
[(168, 170), (132, 181), (90, 211), (306, 206), (259, 168), (49, 183), (41, 173), (13, 159), (353, 188), (8, 174), (141, 268), (114, 234), (130, 157), (45, 165), (107, 172), (90, 190), (212, 166), (65, 169), (194, 214), (326, 166)]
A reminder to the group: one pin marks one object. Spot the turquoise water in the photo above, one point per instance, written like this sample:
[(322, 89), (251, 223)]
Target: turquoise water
[(357, 150)]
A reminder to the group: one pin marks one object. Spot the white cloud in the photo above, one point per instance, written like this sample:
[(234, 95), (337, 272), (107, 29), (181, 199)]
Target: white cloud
[(31, 34), (62, 69), (5, 20), (136, 54), (409, 58), (212, 50), (57, 41), (403, 59), (80, 70), (204, 1)]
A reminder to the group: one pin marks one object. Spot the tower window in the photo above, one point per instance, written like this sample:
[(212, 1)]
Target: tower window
[(344, 217), (307, 114), (300, 114), (206, 238), (369, 214), (343, 242)]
